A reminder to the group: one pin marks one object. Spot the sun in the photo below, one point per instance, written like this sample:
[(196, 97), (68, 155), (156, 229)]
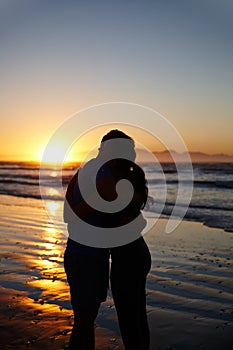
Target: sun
[(55, 153)]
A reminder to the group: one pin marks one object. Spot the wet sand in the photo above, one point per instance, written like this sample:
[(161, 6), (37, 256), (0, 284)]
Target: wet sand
[(190, 285)]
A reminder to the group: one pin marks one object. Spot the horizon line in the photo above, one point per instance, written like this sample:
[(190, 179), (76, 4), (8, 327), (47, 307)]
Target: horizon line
[(15, 158)]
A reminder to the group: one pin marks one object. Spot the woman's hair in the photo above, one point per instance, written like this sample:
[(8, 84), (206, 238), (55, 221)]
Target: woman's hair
[(136, 176)]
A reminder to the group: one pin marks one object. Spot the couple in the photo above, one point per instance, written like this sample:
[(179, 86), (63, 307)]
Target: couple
[(87, 265)]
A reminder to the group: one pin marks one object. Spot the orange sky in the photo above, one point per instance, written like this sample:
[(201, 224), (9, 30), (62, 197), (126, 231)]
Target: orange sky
[(60, 57)]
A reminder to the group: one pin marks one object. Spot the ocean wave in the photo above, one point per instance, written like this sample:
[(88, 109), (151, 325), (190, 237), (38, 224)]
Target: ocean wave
[(34, 167), (212, 216), (191, 205), (51, 181), (28, 179), (196, 183), (34, 196)]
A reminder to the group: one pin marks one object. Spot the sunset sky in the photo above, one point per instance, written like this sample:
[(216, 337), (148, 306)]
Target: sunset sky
[(58, 57)]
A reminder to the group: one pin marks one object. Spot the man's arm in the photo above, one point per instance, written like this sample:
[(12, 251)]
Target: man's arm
[(106, 188)]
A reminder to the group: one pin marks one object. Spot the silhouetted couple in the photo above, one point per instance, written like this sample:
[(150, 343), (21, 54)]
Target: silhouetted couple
[(87, 265)]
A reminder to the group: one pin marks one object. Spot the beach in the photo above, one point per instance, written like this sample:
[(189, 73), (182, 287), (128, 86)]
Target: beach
[(189, 287)]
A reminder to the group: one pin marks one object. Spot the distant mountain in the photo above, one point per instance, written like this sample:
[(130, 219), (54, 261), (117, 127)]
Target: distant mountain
[(163, 157), (196, 157)]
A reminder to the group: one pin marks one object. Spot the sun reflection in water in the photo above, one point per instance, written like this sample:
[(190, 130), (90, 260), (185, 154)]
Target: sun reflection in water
[(51, 230), (53, 174), (53, 192), (50, 247), (53, 207)]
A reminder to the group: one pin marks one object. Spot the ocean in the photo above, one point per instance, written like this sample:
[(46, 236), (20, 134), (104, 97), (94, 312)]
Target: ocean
[(211, 202)]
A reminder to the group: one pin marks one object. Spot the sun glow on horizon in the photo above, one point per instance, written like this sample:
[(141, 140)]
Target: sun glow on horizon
[(86, 147), (50, 74), (56, 154)]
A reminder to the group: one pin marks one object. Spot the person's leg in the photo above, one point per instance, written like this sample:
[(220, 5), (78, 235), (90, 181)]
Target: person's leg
[(128, 320), (144, 326), (129, 297), (129, 270), (88, 280), (83, 332), (132, 316)]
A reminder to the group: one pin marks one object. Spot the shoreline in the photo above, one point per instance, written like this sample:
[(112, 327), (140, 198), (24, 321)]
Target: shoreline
[(189, 287), (39, 204)]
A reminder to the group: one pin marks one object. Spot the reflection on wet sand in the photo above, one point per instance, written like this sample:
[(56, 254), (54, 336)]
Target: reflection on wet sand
[(189, 286), (35, 303)]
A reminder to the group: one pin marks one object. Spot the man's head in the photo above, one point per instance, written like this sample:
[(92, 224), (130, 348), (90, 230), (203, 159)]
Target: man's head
[(116, 134), (117, 142)]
